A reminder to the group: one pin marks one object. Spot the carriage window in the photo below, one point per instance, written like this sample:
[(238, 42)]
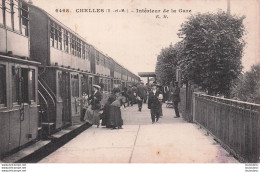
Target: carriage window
[(24, 85), (79, 48), (15, 86), (16, 15), (60, 31), (83, 51), (2, 86), (25, 18), (8, 14), (52, 34), (72, 44), (59, 87), (32, 84), (84, 85), (75, 85), (55, 36), (1, 13), (66, 41)]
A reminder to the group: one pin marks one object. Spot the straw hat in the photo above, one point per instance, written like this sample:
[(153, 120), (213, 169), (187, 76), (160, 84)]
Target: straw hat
[(97, 86)]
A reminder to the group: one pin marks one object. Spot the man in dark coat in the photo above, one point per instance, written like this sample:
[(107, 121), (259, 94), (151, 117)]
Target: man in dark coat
[(154, 104), (145, 93), (140, 96), (130, 95), (176, 99)]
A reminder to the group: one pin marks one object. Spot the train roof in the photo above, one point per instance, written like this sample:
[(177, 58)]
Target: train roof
[(70, 30)]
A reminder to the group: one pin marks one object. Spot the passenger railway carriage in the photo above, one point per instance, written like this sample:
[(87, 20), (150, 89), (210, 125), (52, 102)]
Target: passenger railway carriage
[(44, 69), (18, 78)]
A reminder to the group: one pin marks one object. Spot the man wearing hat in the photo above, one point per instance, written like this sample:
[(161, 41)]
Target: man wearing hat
[(95, 99), (176, 98), (140, 95), (154, 103), (130, 95)]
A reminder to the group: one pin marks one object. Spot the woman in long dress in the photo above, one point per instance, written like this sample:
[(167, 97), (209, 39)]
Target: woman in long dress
[(93, 116), (105, 115), (115, 118)]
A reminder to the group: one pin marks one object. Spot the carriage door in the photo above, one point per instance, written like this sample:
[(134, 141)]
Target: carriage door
[(75, 98), (65, 95)]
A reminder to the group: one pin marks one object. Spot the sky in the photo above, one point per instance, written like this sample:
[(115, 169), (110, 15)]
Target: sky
[(134, 39)]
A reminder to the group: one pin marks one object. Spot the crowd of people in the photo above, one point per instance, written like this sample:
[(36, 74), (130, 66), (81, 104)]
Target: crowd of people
[(110, 113)]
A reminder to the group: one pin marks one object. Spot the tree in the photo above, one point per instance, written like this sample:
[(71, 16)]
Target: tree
[(247, 88), (166, 65), (212, 51)]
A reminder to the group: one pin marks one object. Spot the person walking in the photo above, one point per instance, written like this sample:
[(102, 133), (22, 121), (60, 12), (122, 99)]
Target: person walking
[(145, 93), (154, 104), (130, 95), (140, 93), (176, 99), (95, 99)]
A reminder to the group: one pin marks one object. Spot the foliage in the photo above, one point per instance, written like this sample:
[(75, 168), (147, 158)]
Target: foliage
[(166, 65), (247, 88), (212, 50)]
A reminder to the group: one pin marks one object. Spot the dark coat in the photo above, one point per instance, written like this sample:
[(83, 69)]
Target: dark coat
[(95, 100), (153, 100), (141, 91), (176, 94)]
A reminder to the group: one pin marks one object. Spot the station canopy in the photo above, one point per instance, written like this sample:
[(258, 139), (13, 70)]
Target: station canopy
[(146, 74)]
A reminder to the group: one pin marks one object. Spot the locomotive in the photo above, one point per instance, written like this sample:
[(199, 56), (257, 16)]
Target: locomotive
[(45, 68)]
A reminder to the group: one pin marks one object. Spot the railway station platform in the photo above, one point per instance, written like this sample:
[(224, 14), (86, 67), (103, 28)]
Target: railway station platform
[(170, 140), (42, 148)]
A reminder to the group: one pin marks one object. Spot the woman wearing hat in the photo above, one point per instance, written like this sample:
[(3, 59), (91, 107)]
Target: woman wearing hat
[(95, 99), (106, 113), (115, 118)]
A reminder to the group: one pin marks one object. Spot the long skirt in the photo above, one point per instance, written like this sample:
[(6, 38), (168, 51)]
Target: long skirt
[(92, 116), (89, 115), (96, 117), (105, 115), (115, 118)]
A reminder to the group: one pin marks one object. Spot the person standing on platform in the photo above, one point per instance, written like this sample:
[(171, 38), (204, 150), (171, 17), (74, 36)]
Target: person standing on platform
[(130, 95), (115, 118), (134, 88), (160, 97), (176, 99), (154, 104), (106, 115), (95, 99), (140, 93), (165, 93), (84, 104), (145, 94), (124, 93)]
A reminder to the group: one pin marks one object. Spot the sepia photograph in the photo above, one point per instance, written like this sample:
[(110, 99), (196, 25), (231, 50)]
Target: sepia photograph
[(129, 82)]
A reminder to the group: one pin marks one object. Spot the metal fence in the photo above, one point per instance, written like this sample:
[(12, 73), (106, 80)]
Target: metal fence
[(235, 124)]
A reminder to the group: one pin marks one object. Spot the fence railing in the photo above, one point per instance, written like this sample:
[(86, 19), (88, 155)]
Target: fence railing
[(235, 124)]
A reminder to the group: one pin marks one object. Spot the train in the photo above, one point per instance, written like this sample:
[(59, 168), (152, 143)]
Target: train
[(45, 67)]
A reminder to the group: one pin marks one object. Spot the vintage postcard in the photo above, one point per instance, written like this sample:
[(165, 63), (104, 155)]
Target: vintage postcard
[(129, 81)]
